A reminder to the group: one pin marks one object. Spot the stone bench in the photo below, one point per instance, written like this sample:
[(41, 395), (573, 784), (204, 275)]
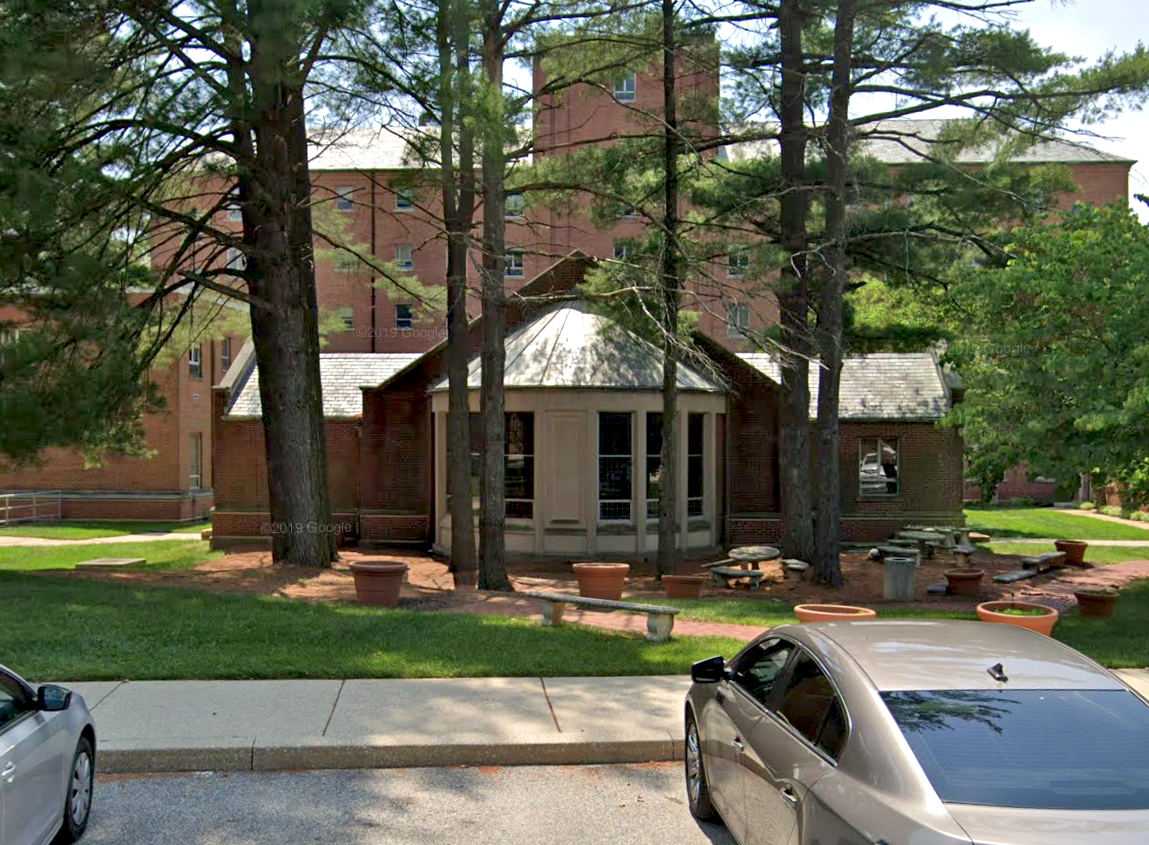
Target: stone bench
[(902, 551), (659, 620), (1043, 562), (964, 553), (724, 576)]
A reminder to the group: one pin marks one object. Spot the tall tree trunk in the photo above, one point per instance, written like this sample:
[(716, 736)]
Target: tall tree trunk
[(492, 518), (458, 211), (827, 566), (668, 527), (281, 273), (793, 295)]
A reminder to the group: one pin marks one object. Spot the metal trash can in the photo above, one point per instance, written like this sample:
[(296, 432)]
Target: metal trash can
[(899, 578)]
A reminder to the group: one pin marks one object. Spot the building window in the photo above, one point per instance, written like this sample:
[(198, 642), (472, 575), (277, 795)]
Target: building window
[(653, 464), (695, 464), (236, 260), (345, 198), (624, 88), (195, 361), (518, 467), (514, 268), (403, 318), (626, 211), (403, 202), (234, 213), (519, 470), (737, 319), (515, 205), (195, 460), (347, 315), (621, 250), (225, 354), (9, 334), (878, 467), (615, 456), (737, 262), (345, 262), (405, 256)]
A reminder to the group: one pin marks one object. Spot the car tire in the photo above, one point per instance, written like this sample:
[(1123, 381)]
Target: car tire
[(78, 798), (697, 790)]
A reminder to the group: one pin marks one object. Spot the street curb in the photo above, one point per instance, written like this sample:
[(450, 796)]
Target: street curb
[(341, 755)]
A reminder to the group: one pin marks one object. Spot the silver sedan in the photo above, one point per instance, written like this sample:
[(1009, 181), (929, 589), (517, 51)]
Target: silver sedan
[(47, 760), (925, 732)]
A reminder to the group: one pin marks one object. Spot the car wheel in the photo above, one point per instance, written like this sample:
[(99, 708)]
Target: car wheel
[(697, 792), (78, 800)]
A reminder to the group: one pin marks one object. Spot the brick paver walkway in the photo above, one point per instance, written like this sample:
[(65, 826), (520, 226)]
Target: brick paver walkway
[(1059, 591)]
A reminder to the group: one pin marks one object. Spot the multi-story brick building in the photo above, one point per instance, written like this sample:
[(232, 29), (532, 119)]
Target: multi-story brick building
[(383, 201)]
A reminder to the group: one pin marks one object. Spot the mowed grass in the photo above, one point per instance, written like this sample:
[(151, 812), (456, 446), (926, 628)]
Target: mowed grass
[(1093, 554), (1052, 523), (71, 630), (95, 530), (169, 554), (771, 614), (1119, 642)]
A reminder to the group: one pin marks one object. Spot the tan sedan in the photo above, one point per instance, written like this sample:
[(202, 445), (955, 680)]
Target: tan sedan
[(916, 733)]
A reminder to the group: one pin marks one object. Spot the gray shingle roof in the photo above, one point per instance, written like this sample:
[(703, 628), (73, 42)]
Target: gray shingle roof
[(882, 386), (905, 141), (342, 374), (384, 148), (572, 347)]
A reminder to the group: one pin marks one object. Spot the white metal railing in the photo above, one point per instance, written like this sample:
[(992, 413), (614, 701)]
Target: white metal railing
[(34, 506)]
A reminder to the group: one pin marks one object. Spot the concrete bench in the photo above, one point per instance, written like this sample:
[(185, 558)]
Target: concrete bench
[(964, 553), (1043, 562), (659, 619), (902, 551), (724, 576)]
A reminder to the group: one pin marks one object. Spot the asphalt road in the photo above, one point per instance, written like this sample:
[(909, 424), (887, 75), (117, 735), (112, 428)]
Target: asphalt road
[(588, 805)]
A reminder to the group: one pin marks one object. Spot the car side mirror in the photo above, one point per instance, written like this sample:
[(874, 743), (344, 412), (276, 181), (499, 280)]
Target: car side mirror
[(709, 671), (52, 699)]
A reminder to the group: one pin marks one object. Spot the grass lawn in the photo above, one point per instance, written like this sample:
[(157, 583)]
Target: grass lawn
[(770, 614), (1118, 642), (1094, 554), (1050, 523), (92, 530), (159, 553), (87, 630)]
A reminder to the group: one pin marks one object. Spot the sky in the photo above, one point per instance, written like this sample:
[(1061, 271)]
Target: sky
[(1090, 28)]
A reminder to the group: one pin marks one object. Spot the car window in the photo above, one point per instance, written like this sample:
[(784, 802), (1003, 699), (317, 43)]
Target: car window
[(810, 705), (1041, 749), (760, 666), (13, 701)]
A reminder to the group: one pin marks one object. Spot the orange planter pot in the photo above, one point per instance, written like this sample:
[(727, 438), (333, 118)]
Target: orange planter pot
[(378, 584), (683, 586), (1074, 551), (832, 613), (601, 580), (964, 582), (990, 611), (1096, 604)]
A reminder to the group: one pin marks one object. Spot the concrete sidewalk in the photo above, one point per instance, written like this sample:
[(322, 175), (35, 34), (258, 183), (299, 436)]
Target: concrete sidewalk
[(166, 726), (39, 542), (173, 726)]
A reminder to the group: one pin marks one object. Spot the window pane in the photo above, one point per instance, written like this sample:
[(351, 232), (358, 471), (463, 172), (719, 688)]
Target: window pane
[(520, 474), (760, 667), (653, 480), (654, 434), (807, 699), (614, 478), (1042, 749), (694, 434), (403, 316), (614, 436), (520, 434), (877, 467), (694, 481)]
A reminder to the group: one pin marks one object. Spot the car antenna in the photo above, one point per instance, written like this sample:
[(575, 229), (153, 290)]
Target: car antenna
[(997, 672)]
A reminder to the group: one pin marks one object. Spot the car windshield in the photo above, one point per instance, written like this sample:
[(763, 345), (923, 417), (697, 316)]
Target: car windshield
[(1041, 749)]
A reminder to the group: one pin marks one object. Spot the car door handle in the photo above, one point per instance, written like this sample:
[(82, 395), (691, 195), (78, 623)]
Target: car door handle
[(789, 795), (737, 743), (9, 772)]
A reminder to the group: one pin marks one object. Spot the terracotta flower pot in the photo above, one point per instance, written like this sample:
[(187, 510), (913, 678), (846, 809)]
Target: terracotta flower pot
[(964, 582), (683, 586), (1074, 551), (990, 611), (1096, 604), (832, 613), (378, 583), (601, 580)]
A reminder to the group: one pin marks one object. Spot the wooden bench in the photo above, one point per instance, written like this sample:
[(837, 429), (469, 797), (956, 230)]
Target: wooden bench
[(724, 576), (659, 620)]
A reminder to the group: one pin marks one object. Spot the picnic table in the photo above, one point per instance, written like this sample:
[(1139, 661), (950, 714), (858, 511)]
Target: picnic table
[(748, 557), (924, 539)]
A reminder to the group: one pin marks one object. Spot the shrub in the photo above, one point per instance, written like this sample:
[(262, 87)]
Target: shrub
[(1112, 510), (1086, 506)]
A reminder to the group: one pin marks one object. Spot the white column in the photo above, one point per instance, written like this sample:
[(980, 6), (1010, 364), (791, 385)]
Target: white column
[(639, 486), (440, 472), (592, 485), (542, 467), (682, 460)]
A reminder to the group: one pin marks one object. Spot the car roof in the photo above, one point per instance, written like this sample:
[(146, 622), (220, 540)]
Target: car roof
[(950, 654)]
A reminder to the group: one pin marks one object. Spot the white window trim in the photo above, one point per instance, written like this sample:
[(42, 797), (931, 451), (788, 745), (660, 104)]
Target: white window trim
[(404, 202), (345, 198), (737, 270), (195, 361), (510, 271), (195, 476), (410, 318), (737, 319), (407, 263), (626, 94)]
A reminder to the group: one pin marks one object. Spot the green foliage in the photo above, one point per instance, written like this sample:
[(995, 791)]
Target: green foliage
[(1056, 352), (1086, 506), (1047, 523)]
